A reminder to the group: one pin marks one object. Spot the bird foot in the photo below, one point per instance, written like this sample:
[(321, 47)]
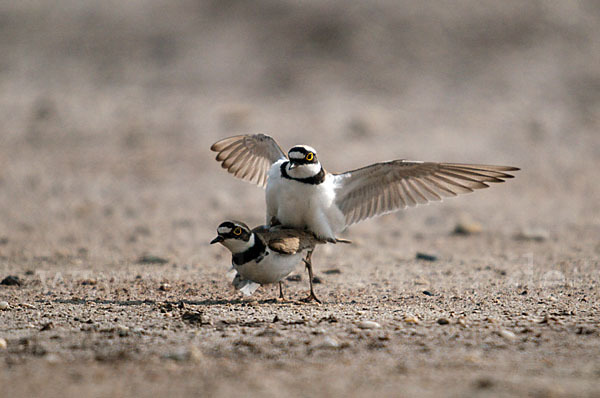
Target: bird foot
[(311, 297)]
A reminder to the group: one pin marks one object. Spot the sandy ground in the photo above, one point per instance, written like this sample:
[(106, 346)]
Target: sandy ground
[(108, 110)]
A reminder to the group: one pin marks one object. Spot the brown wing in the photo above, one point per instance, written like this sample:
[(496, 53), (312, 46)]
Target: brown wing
[(385, 187), (248, 157), (289, 240)]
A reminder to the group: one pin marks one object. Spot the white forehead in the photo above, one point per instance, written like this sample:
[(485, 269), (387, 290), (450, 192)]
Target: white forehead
[(296, 154), (224, 230)]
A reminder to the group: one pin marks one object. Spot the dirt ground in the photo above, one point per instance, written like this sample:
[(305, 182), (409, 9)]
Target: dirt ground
[(109, 196)]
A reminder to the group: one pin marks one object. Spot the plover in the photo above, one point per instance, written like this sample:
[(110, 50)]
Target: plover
[(301, 194), (264, 255)]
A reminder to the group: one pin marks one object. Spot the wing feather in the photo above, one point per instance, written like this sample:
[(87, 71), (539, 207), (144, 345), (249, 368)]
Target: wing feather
[(385, 187), (248, 157), (286, 240)]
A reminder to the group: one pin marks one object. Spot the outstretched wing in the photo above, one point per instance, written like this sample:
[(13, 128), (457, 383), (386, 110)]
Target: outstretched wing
[(385, 187), (248, 157)]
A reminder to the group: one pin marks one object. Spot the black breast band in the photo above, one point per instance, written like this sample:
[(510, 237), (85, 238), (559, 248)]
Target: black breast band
[(253, 253), (314, 180)]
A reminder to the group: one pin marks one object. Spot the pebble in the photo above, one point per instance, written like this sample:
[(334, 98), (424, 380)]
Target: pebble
[(122, 330), (368, 325), (4, 305), (179, 354), (467, 227), (164, 287), (533, 234), (333, 271), (294, 278), (329, 342), (507, 334), (184, 354), (426, 257), (2, 344), (412, 319), (52, 358), (47, 326), (151, 259), (11, 280), (427, 293), (317, 280), (443, 321)]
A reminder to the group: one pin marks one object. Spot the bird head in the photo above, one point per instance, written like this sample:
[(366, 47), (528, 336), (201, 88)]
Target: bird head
[(234, 235), (303, 161)]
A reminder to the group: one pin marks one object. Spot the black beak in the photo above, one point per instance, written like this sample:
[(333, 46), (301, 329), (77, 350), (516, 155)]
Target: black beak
[(218, 239)]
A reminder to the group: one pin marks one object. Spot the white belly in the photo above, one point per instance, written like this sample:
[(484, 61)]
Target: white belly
[(305, 206), (272, 268)]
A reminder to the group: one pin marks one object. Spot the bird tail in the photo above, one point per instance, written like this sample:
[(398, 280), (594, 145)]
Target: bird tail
[(247, 287)]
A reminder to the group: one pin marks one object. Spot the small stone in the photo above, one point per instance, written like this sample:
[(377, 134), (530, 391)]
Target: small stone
[(122, 330), (137, 330), (333, 271), (533, 234), (467, 227), (484, 383), (194, 318), (164, 287), (151, 259), (462, 322), (2, 344), (412, 320), (47, 326), (4, 305), (426, 257), (52, 358), (507, 334), (368, 325), (179, 354), (294, 278), (317, 280), (584, 330), (89, 282), (184, 354), (11, 280), (443, 321), (427, 293), (269, 331), (28, 306), (329, 342)]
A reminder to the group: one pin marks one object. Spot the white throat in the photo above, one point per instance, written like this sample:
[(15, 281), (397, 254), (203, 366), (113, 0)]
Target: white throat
[(236, 246), (304, 170)]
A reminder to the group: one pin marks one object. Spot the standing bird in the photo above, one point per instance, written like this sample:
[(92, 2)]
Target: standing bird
[(263, 255), (301, 194)]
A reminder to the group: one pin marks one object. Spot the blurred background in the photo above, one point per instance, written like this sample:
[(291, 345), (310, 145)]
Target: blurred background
[(108, 110)]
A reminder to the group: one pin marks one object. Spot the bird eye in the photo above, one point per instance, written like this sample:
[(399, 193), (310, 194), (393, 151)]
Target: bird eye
[(309, 156), (237, 231)]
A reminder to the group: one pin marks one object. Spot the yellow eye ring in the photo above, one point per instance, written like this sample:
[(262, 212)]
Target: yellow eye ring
[(309, 156), (237, 231)]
